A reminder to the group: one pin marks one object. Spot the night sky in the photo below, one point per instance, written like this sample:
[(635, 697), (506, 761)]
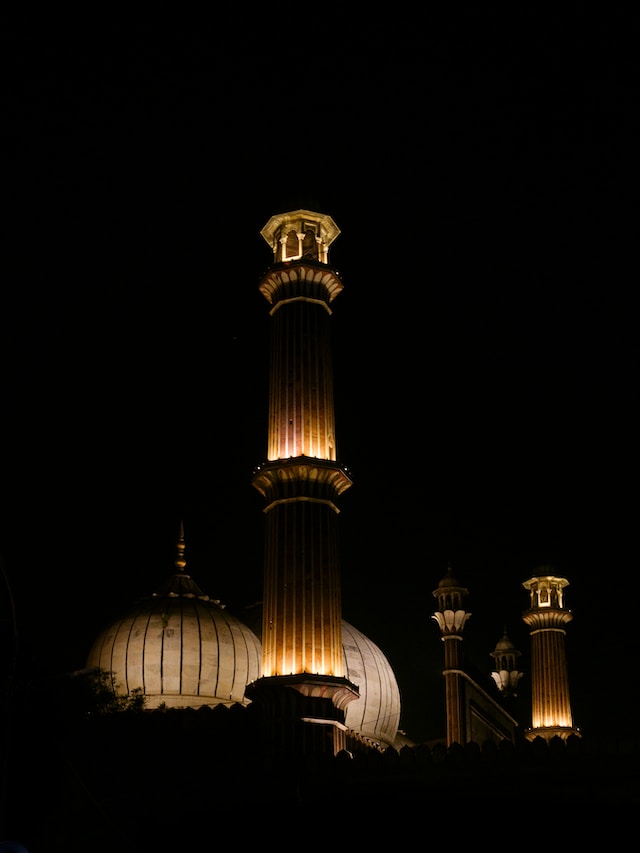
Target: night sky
[(479, 168)]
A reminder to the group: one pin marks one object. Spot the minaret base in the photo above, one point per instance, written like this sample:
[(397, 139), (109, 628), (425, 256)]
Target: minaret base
[(300, 715)]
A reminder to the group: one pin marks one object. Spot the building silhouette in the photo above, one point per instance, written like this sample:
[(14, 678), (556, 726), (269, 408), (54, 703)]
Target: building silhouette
[(317, 685), (205, 710)]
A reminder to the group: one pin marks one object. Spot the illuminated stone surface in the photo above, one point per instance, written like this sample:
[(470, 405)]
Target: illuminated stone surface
[(181, 648), (376, 714)]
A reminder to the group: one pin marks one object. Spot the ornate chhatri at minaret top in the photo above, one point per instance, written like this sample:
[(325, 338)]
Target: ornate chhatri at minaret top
[(300, 235), (301, 480), (506, 674), (547, 618)]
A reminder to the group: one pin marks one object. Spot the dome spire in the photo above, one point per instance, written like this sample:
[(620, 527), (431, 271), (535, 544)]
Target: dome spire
[(180, 561)]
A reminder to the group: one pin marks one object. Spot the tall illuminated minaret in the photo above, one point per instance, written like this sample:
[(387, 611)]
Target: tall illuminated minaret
[(546, 618), (301, 482)]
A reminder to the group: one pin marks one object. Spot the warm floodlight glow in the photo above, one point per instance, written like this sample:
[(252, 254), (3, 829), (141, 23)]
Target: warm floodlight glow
[(546, 591), (547, 618), (294, 662), (300, 234)]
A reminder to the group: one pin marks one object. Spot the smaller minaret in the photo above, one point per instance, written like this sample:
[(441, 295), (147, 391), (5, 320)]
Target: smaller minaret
[(451, 618), (506, 674), (546, 618)]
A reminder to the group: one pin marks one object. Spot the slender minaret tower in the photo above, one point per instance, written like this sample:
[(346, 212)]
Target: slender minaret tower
[(303, 683), (451, 617), (546, 618)]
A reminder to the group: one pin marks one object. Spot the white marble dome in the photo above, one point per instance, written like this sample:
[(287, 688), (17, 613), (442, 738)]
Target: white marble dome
[(376, 714), (180, 647)]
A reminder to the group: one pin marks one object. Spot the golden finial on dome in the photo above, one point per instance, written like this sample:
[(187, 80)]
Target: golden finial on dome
[(180, 562)]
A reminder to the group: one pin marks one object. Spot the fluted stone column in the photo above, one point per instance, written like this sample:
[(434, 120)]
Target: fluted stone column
[(301, 480), (547, 617)]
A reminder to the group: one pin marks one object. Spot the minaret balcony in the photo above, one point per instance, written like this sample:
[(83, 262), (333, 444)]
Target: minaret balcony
[(301, 477)]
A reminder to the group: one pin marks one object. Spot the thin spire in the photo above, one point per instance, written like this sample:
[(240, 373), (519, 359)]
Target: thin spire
[(180, 562)]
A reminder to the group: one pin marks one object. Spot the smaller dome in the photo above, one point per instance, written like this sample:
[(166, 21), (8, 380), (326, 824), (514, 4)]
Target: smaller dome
[(504, 644), (449, 580), (449, 593)]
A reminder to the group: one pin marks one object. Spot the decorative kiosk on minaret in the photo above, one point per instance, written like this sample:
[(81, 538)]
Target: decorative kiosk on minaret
[(547, 618), (303, 692), (506, 673)]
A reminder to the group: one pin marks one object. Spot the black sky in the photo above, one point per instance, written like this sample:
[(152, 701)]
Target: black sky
[(479, 166)]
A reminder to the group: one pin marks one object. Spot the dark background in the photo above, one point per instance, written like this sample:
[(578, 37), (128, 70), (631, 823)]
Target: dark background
[(480, 166)]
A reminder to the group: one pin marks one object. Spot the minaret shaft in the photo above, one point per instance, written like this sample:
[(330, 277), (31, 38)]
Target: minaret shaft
[(301, 480), (302, 603), (550, 705), (454, 690), (301, 411)]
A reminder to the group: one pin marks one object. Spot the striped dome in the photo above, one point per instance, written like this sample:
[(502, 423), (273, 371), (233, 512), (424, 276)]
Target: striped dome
[(376, 714), (181, 648)]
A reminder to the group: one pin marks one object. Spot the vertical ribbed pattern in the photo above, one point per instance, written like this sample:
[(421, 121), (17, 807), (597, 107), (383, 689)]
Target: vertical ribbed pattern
[(302, 608), (302, 627), (180, 652), (301, 412), (547, 617), (376, 713), (302, 642), (454, 691), (550, 683)]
